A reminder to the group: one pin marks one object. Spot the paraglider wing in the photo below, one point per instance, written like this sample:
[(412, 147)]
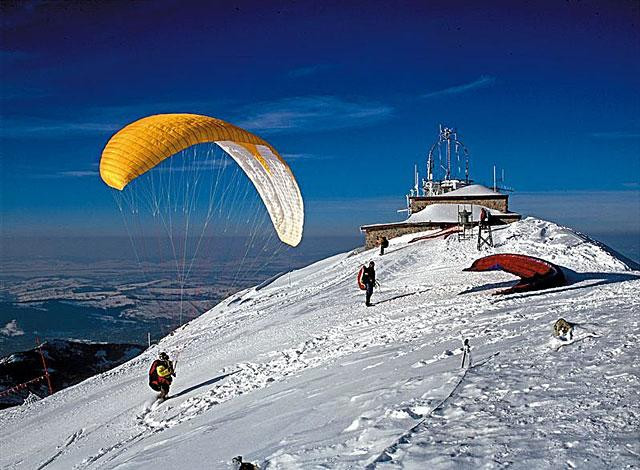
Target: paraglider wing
[(145, 143), (534, 273), (360, 283)]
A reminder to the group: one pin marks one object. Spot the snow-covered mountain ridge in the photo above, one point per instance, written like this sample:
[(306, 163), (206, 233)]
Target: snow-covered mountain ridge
[(300, 374)]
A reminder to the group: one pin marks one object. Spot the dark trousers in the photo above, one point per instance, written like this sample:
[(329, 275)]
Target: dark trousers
[(381, 250), (162, 387), (369, 293)]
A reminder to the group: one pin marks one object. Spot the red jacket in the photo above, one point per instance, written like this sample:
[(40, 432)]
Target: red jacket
[(154, 378)]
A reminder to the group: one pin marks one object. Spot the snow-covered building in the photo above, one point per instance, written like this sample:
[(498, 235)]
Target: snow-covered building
[(446, 198), (441, 211), (476, 194)]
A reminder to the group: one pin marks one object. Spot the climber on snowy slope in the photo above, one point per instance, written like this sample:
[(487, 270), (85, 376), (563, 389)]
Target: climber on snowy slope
[(161, 375), (369, 281)]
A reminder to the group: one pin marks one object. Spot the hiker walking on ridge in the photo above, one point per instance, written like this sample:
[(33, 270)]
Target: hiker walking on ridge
[(384, 243), (161, 375), (369, 280)]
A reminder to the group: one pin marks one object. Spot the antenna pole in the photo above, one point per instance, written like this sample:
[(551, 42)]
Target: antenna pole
[(466, 170), (494, 178), (448, 156)]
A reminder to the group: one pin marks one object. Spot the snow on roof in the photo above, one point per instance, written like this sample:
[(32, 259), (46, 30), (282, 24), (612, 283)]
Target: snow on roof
[(447, 213), (471, 190), (441, 213)]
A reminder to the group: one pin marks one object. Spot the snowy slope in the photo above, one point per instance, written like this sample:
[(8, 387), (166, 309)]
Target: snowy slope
[(300, 374)]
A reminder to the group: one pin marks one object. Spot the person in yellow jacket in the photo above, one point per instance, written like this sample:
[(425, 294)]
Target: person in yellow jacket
[(161, 375)]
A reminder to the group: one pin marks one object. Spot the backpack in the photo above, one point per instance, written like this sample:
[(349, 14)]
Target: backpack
[(163, 370), (159, 369)]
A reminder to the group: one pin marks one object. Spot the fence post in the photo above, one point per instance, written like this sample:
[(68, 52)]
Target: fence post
[(44, 365)]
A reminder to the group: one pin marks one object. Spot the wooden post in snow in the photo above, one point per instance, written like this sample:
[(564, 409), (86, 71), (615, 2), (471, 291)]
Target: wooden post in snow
[(44, 365)]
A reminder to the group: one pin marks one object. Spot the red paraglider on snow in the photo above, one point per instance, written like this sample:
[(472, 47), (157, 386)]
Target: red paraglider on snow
[(534, 273)]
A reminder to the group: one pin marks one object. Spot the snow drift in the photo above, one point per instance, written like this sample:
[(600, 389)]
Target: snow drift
[(300, 374)]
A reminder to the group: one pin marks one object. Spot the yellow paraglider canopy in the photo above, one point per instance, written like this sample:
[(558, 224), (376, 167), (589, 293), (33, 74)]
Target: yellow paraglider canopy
[(145, 143)]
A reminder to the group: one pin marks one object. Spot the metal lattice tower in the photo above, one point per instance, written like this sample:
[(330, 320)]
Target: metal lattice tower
[(485, 237)]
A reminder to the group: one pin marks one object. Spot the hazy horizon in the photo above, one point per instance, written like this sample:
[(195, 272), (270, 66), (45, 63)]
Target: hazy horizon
[(99, 263), (612, 217)]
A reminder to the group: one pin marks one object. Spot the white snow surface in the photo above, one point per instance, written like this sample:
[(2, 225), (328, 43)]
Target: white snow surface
[(471, 190), (442, 213), (301, 375), (447, 213), (12, 329)]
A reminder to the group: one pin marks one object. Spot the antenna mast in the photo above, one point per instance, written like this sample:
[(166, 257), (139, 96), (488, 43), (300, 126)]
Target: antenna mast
[(449, 144), (494, 178), (466, 169), (429, 188), (447, 137)]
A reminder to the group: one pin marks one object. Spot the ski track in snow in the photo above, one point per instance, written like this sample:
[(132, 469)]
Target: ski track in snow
[(521, 415), (70, 440), (405, 440), (520, 409)]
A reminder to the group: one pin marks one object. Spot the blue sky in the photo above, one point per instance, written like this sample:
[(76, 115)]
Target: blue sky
[(351, 93)]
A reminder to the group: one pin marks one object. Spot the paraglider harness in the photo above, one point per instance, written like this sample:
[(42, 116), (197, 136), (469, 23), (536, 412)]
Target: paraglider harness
[(161, 375), (367, 276)]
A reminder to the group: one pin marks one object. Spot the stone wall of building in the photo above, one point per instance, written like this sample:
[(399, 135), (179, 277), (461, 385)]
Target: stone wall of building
[(501, 204), (371, 234)]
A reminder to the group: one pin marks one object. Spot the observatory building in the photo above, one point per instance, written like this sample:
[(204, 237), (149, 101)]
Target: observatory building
[(446, 203), (471, 194)]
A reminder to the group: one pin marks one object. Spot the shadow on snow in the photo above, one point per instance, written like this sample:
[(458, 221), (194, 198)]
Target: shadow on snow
[(204, 384), (399, 297), (495, 285), (572, 277)]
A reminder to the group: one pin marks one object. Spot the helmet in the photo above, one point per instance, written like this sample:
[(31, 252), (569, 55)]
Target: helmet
[(163, 356), (372, 263), (237, 459)]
